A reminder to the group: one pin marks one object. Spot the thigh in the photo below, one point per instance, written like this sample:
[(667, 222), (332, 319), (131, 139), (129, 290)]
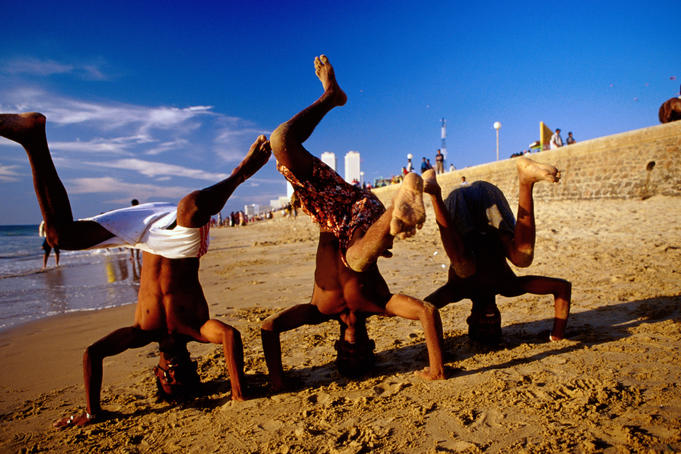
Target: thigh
[(78, 235), (451, 292), (536, 285)]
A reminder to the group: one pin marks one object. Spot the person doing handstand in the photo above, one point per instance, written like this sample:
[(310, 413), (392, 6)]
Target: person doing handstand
[(171, 308), (479, 233), (355, 229)]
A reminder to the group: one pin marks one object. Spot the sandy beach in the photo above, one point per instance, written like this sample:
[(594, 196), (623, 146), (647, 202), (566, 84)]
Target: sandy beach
[(612, 386)]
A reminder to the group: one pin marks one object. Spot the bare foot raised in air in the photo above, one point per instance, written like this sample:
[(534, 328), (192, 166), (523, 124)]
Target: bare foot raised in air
[(324, 71), (20, 127), (430, 185), (530, 171), (256, 157), (408, 210)]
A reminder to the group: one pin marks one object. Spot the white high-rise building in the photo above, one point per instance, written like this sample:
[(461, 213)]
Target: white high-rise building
[(352, 165), (329, 159), (251, 209)]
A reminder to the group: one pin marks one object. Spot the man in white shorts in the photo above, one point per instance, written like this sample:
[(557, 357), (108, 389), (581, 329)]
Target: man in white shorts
[(171, 308)]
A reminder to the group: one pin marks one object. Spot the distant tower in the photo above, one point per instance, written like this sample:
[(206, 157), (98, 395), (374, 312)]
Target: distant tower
[(443, 146), (329, 159), (352, 166)]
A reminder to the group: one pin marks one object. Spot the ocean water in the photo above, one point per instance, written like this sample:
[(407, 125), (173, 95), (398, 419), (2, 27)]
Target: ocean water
[(84, 280)]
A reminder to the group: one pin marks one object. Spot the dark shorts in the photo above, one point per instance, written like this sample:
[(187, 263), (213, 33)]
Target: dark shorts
[(47, 248), (478, 207), (334, 204)]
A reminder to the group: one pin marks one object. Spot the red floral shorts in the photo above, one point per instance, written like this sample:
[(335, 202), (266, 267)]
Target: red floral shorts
[(337, 206)]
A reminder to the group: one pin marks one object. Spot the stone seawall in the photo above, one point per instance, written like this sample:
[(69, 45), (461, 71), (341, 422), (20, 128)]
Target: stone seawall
[(634, 164)]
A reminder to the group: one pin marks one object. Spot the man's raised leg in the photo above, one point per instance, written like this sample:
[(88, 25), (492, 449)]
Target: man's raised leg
[(520, 250), (196, 208), (28, 130), (287, 140), (401, 219), (461, 259)]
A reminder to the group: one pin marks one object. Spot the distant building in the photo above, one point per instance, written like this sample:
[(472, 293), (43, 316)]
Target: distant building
[(352, 165), (279, 202), (329, 159), (251, 209)]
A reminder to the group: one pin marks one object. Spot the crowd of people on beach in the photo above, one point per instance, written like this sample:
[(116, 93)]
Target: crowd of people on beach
[(477, 228)]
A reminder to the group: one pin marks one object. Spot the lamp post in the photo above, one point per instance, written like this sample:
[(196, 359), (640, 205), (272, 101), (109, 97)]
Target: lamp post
[(497, 126)]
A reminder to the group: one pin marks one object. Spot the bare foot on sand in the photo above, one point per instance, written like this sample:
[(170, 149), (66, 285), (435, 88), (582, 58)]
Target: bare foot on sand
[(430, 185), (408, 210), (530, 171), (430, 375), (20, 127), (256, 157), (324, 71)]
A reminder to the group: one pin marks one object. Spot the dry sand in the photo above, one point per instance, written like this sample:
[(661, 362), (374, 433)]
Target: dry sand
[(612, 386)]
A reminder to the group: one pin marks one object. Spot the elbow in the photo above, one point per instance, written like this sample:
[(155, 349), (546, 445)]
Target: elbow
[(268, 326)]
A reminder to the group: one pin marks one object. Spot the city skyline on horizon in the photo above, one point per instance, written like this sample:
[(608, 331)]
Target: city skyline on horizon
[(156, 104)]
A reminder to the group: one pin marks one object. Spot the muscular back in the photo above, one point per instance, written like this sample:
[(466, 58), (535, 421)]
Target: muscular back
[(338, 289), (170, 295)]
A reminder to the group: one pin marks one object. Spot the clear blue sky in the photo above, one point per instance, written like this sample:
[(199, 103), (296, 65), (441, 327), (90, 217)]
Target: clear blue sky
[(154, 99)]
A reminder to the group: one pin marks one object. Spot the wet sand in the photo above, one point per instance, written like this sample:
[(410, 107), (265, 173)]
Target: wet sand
[(612, 386)]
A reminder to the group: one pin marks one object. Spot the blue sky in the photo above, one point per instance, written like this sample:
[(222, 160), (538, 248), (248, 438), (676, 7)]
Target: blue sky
[(154, 99)]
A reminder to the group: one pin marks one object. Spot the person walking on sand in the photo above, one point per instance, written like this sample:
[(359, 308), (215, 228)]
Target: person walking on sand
[(355, 229), (171, 308), (479, 234), (46, 246)]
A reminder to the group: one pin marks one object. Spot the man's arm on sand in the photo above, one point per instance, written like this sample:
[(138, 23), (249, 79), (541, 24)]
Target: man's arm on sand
[(410, 308), (110, 345), (217, 332), (291, 318)]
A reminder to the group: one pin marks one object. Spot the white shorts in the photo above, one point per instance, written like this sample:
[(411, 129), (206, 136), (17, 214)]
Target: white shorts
[(146, 227)]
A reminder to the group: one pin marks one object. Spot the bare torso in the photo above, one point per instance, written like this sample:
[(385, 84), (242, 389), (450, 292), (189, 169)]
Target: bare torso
[(345, 294), (170, 296)]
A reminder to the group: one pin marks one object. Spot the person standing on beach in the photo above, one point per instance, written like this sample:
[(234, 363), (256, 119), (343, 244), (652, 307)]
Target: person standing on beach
[(46, 246), (171, 308), (355, 229), (439, 162), (135, 253), (556, 140), (479, 234)]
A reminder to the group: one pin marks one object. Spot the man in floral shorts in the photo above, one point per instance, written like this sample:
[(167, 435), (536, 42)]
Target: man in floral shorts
[(355, 229)]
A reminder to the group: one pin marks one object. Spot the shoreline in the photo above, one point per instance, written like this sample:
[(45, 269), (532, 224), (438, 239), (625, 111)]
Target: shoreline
[(612, 385)]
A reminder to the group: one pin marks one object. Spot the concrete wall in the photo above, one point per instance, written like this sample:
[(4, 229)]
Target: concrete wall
[(634, 164)]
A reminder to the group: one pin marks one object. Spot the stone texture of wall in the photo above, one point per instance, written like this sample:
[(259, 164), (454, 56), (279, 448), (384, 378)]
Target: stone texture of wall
[(634, 164)]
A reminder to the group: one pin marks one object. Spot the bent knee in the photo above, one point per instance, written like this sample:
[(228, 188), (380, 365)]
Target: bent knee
[(231, 334), (522, 259), (280, 138), (268, 324), (188, 207), (429, 308)]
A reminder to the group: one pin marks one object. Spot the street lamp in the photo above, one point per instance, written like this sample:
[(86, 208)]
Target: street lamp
[(497, 126)]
